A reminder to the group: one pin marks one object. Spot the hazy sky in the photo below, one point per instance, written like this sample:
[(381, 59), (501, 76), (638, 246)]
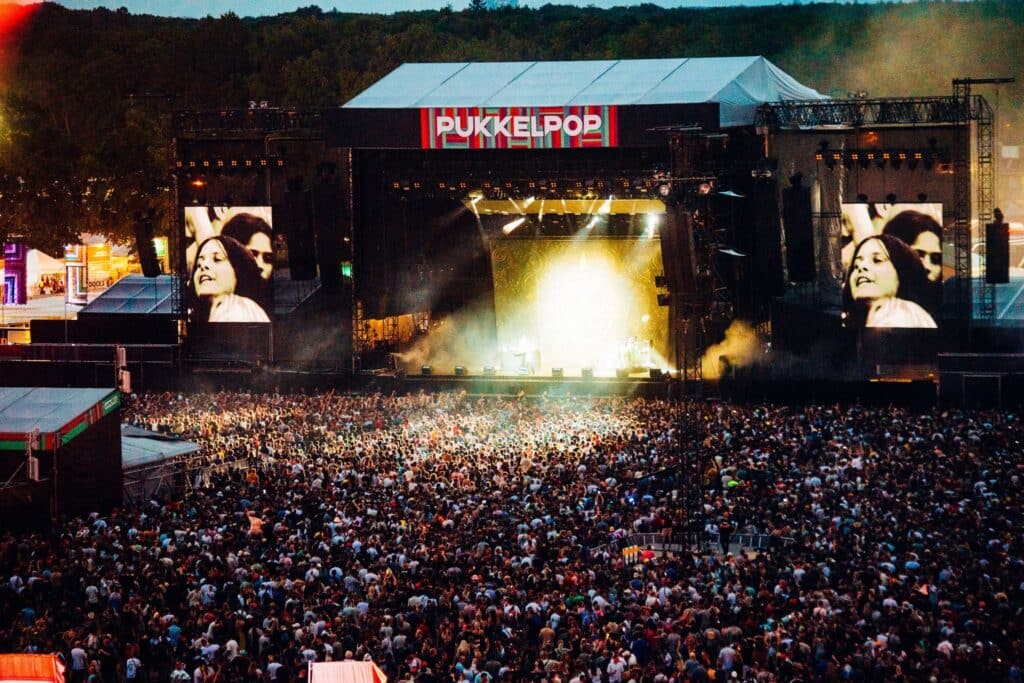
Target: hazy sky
[(247, 8)]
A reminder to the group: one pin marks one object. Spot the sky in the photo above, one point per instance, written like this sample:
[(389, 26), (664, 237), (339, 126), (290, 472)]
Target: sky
[(248, 8)]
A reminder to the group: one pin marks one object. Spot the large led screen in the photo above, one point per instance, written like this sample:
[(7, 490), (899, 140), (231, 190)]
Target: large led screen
[(892, 260), (578, 303), (230, 258)]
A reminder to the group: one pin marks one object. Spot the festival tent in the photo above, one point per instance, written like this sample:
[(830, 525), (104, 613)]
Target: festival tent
[(24, 668), (153, 463), (737, 84), (346, 672), (74, 438)]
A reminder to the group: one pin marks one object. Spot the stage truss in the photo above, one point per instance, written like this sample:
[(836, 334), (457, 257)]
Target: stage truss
[(968, 113)]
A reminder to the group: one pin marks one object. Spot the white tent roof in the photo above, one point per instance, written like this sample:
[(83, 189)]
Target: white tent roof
[(40, 263), (738, 84)]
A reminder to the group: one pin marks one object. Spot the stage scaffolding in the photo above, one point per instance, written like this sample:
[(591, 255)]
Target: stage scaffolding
[(971, 116)]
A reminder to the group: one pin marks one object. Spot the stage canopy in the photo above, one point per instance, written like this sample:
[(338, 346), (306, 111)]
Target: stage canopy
[(737, 84), (59, 414), (135, 294)]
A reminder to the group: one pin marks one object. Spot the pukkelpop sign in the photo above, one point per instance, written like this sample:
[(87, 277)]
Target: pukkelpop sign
[(519, 127)]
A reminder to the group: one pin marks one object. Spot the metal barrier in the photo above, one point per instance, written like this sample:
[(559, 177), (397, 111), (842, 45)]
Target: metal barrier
[(677, 543)]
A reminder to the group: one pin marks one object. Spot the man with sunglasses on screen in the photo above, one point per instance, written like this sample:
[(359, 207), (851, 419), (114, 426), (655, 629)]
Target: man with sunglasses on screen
[(923, 234)]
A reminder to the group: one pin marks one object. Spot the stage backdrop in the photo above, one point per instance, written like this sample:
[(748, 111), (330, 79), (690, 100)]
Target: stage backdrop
[(578, 303)]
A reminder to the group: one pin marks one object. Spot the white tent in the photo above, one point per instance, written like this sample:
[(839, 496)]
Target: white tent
[(737, 84), (346, 672), (39, 264)]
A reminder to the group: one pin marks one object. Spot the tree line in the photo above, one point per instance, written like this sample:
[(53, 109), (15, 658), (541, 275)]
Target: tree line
[(86, 96)]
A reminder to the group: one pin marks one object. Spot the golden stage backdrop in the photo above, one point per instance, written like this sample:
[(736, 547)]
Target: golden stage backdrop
[(580, 303)]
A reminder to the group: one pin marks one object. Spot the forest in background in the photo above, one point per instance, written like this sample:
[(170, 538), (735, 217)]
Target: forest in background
[(85, 96)]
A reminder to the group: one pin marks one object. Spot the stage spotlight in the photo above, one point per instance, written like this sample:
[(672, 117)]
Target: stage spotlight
[(460, 371), (489, 371), (592, 223), (512, 225), (426, 370), (557, 372), (704, 188), (588, 373), (652, 224)]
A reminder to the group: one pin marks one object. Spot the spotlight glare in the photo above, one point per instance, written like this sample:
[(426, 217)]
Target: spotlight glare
[(512, 225), (652, 224)]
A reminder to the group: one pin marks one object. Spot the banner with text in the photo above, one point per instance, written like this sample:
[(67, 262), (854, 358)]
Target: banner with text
[(519, 127)]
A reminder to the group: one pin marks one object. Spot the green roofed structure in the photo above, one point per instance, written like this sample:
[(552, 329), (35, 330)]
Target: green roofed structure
[(74, 434)]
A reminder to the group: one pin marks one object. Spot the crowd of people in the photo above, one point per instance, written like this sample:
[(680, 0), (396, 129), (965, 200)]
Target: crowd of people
[(450, 537)]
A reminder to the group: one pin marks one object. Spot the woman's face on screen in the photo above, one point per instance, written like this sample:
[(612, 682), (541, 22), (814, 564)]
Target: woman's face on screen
[(214, 273), (873, 275)]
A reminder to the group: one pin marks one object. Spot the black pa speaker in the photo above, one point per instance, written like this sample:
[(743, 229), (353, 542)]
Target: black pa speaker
[(298, 229), (796, 217), (144, 244), (997, 253)]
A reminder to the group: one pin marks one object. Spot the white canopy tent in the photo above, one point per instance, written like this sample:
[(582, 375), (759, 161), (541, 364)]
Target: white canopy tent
[(738, 84)]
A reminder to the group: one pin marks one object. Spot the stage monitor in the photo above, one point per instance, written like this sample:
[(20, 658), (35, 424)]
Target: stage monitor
[(578, 303), (229, 257), (892, 263)]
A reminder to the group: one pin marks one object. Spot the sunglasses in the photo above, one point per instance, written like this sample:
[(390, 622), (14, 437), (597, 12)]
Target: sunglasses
[(262, 256), (933, 257)]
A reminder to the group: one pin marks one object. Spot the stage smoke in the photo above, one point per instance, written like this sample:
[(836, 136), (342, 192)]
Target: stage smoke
[(741, 346), (465, 338), (890, 45)]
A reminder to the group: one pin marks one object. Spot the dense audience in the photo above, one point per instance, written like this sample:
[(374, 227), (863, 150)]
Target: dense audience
[(456, 538)]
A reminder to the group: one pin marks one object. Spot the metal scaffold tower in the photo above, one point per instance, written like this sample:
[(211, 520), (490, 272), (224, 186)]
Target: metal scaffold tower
[(972, 117), (973, 109)]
